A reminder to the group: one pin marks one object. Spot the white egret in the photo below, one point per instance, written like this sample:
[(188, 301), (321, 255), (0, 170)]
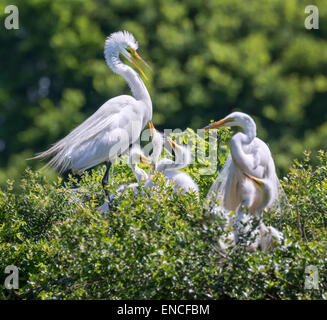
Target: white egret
[(249, 155), (264, 197), (116, 125), (181, 180), (237, 184), (257, 196), (264, 238), (136, 156)]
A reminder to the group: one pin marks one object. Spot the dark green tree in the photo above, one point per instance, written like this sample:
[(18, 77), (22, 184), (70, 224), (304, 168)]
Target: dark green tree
[(209, 58)]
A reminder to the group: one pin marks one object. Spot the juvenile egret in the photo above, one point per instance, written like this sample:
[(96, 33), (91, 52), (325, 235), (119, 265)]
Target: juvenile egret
[(269, 237), (264, 238), (136, 156), (181, 180), (249, 155), (116, 125)]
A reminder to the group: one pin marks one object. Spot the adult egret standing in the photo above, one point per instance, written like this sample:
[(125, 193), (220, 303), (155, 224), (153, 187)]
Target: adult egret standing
[(248, 155), (267, 235), (116, 125), (235, 188), (263, 237), (181, 180)]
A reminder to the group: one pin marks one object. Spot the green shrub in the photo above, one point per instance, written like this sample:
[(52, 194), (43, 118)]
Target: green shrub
[(155, 245)]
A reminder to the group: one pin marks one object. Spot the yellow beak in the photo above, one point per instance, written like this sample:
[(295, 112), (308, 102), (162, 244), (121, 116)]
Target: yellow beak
[(173, 144), (218, 124), (152, 128), (254, 179), (137, 56), (144, 159)]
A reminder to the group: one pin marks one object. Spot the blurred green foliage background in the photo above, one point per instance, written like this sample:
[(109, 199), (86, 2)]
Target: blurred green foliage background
[(209, 58)]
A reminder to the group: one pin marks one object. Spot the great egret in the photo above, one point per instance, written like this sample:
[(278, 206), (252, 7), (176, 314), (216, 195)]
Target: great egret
[(248, 178), (256, 195), (269, 237), (181, 180), (249, 155), (116, 125), (136, 156), (264, 197)]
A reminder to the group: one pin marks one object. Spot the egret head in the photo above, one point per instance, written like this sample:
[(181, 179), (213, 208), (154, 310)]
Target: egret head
[(182, 153), (136, 156), (269, 237), (239, 119), (157, 142), (123, 42)]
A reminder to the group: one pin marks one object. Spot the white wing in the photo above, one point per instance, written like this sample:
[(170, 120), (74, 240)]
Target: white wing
[(117, 123), (256, 158), (225, 184)]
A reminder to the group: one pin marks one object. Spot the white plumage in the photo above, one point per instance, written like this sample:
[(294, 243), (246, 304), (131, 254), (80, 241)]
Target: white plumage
[(116, 125), (248, 178), (249, 155), (182, 182)]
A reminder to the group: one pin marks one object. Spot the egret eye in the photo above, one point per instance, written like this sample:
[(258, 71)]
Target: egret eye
[(129, 50)]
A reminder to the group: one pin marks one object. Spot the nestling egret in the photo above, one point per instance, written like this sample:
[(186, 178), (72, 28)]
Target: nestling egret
[(136, 156), (116, 125), (269, 237), (265, 238), (181, 180)]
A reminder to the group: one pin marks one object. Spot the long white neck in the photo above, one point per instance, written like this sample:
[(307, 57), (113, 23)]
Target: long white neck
[(137, 86), (242, 159), (182, 160), (157, 149), (165, 165), (250, 132)]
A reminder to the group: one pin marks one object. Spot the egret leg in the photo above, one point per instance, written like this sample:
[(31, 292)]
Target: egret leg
[(105, 180), (173, 154)]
